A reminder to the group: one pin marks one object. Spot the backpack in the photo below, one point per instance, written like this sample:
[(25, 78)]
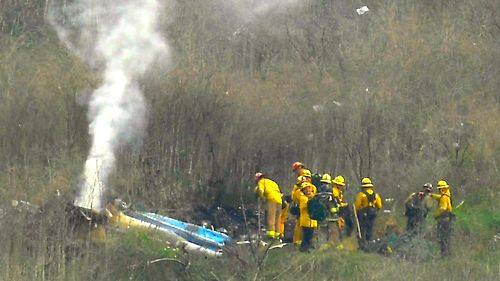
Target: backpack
[(316, 180), (370, 210), (316, 209), (294, 209)]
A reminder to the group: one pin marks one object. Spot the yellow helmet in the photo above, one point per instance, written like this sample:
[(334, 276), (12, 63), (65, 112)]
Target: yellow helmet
[(366, 182), (302, 179), (305, 184), (326, 178), (306, 173), (339, 180), (442, 184)]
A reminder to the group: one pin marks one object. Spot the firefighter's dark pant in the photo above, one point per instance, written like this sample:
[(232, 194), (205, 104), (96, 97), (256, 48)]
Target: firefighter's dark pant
[(345, 212), (366, 222), (444, 229), (416, 221), (307, 236)]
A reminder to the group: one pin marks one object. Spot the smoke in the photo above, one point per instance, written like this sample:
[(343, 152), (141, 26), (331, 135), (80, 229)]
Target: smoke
[(121, 40)]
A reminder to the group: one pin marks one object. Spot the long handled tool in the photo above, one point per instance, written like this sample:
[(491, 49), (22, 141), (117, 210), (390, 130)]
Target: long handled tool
[(258, 219), (459, 205), (357, 221)]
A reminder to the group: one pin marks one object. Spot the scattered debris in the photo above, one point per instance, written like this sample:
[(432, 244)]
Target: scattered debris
[(362, 10), (240, 222), (318, 108), (25, 206), (182, 235), (496, 238)]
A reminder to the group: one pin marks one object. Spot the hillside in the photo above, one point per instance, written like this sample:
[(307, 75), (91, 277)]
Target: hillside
[(406, 93)]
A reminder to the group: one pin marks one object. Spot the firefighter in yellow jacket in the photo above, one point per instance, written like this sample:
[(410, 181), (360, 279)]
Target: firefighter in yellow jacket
[(285, 210), (444, 216), (307, 224), (367, 204), (297, 233), (340, 206), (270, 191)]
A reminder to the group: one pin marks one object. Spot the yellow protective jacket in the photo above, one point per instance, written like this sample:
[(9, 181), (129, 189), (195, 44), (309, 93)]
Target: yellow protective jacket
[(295, 193), (338, 197), (305, 220), (362, 199), (269, 190), (444, 203), (284, 217)]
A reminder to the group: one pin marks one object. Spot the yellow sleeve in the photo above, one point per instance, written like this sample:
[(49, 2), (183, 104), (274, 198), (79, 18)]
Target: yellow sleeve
[(303, 201), (335, 193), (378, 201), (295, 194), (435, 196), (359, 199), (260, 188)]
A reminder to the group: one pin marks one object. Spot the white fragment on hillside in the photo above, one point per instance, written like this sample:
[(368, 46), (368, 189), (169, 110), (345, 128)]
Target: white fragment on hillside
[(362, 10), (318, 107)]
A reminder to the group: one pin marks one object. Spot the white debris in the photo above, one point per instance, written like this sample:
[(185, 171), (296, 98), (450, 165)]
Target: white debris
[(337, 103), (496, 238), (362, 10), (318, 108)]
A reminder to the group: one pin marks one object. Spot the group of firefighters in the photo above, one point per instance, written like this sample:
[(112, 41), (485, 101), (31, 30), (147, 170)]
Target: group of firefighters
[(342, 219)]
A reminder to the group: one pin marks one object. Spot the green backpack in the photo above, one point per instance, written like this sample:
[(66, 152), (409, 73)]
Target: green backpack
[(317, 209), (316, 180)]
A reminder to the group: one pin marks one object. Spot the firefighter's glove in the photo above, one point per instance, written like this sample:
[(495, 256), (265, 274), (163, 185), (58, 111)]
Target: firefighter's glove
[(343, 205), (334, 210), (341, 223)]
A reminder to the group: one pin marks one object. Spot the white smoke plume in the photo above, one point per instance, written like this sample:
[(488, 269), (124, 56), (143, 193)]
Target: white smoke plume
[(121, 40)]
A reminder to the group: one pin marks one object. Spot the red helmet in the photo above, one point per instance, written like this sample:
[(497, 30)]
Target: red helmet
[(258, 175), (297, 165)]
